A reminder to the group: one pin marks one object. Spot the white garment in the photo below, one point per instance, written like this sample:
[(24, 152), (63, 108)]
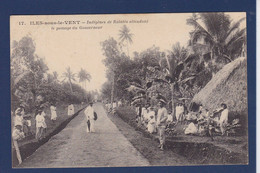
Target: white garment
[(191, 129), (89, 112), (181, 108), (169, 118), (18, 120), (144, 113), (114, 105), (53, 113), (161, 115), (17, 134), (177, 112), (151, 125), (70, 109), (224, 117), (29, 123), (40, 120)]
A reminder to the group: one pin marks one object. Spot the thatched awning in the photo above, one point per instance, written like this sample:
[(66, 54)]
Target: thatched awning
[(229, 86)]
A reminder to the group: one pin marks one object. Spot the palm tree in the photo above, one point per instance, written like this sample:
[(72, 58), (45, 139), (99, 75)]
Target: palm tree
[(125, 35), (70, 76), (55, 76), (217, 35), (84, 76), (172, 66)]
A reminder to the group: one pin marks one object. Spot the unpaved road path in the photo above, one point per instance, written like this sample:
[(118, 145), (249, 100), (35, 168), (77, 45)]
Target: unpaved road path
[(73, 147)]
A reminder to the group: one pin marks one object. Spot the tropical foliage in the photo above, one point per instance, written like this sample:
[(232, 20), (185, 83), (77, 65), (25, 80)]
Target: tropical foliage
[(175, 75), (33, 84)]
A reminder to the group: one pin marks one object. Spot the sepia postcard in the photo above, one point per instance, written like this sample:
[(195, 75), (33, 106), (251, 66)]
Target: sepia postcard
[(129, 90)]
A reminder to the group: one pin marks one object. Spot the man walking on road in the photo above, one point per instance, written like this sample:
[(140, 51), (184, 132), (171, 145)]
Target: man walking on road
[(89, 112)]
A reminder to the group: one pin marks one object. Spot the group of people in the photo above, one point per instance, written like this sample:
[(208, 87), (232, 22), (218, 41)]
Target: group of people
[(153, 122), (111, 107), (195, 122), (22, 124), (204, 121)]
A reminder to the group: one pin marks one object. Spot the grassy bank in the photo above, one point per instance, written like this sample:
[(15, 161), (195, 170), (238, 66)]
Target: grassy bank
[(195, 149)]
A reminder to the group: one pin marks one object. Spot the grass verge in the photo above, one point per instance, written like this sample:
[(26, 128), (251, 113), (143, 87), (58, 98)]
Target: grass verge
[(191, 150)]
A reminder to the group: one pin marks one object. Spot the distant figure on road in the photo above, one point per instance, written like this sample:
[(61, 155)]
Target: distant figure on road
[(70, 109), (89, 112)]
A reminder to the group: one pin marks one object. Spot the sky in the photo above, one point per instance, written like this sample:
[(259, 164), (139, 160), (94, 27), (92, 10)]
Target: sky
[(62, 46)]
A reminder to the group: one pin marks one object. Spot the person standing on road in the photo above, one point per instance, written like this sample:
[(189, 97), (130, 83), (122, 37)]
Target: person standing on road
[(161, 123), (89, 112)]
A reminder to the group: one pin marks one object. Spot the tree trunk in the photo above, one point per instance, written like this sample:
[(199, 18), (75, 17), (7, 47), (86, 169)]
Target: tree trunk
[(127, 48), (172, 99), (70, 86), (112, 90)]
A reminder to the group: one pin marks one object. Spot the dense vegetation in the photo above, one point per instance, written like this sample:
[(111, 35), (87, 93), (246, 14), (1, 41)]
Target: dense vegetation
[(32, 83), (177, 74)]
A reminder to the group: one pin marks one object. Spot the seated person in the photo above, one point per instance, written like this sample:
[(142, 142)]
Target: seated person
[(169, 117), (191, 129)]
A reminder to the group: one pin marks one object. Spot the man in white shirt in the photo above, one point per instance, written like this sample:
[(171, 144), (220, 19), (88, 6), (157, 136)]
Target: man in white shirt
[(89, 112), (161, 123), (223, 118)]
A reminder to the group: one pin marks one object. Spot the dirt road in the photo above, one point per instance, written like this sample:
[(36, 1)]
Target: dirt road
[(73, 147)]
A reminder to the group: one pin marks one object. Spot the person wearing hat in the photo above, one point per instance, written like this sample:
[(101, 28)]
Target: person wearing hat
[(89, 112), (17, 135), (161, 122)]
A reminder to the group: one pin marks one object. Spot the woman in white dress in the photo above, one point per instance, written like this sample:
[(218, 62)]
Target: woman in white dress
[(53, 113), (70, 109)]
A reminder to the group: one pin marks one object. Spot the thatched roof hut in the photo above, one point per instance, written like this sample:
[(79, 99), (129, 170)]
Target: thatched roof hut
[(229, 86)]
